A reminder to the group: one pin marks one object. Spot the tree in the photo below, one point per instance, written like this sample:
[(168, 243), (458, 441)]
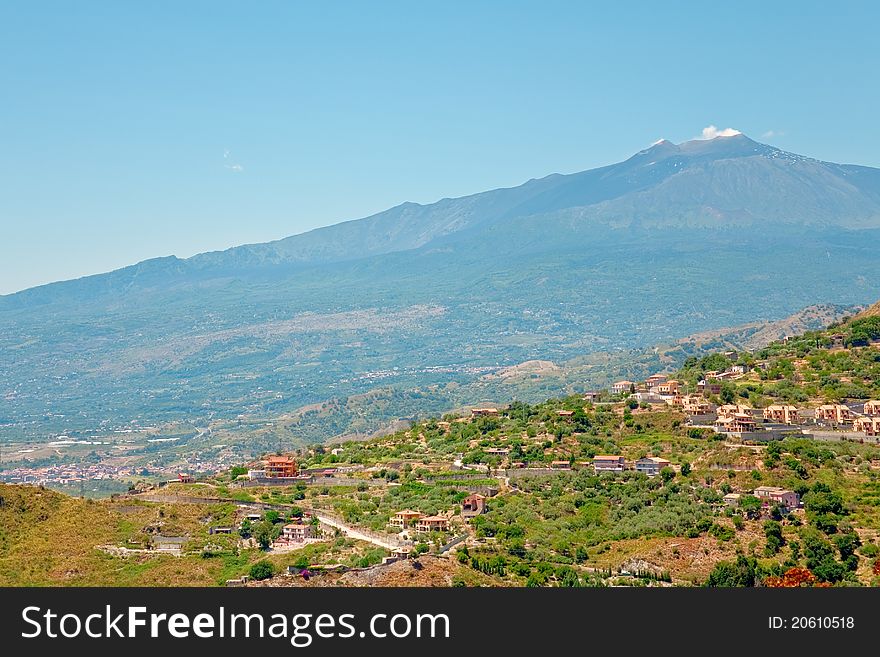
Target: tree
[(245, 530), (581, 420), (821, 499), (262, 570), (668, 474), (847, 544), (569, 578), (772, 454), (750, 506), (729, 575), (773, 532), (820, 559), (728, 393), (237, 471), (265, 532), (685, 469)]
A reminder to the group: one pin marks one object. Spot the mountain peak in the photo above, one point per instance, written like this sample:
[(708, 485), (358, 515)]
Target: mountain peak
[(729, 145), (659, 147)]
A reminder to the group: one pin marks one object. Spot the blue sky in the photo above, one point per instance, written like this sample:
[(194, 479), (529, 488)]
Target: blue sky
[(134, 130)]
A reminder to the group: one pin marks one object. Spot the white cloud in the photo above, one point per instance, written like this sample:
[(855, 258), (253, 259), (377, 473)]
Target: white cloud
[(772, 133), (710, 132), (232, 166)]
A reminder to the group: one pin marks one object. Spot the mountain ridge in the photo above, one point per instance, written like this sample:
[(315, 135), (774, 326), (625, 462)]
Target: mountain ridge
[(703, 181), (614, 259)]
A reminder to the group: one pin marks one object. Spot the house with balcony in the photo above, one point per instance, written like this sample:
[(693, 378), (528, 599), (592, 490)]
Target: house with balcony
[(872, 407), (405, 518), (280, 466), (655, 380), (696, 405), (708, 387), (667, 388), (620, 387), (736, 423), (298, 532), (607, 463), (433, 524), (783, 413), (869, 425), (834, 414), (771, 495), (651, 465)]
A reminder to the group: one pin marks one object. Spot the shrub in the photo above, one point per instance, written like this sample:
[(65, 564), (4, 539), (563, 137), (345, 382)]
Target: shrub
[(262, 570)]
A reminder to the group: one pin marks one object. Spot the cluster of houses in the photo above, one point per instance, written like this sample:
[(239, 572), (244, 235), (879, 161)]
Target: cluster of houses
[(649, 465), (471, 506), (419, 521), (770, 496), (747, 423), (659, 387), (293, 534), (280, 469), (742, 419)]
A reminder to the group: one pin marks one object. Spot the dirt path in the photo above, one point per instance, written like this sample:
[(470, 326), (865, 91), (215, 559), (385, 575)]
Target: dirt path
[(352, 532)]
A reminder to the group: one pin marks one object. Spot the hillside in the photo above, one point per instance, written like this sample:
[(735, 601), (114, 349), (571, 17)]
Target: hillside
[(551, 518), (50, 539), (871, 311), (678, 239), (838, 364)]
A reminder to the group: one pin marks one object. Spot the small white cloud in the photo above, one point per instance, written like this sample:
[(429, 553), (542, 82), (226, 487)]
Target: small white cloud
[(232, 166), (772, 133), (710, 132)]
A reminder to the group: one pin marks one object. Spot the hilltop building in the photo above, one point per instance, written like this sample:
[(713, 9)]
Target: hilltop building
[(280, 466)]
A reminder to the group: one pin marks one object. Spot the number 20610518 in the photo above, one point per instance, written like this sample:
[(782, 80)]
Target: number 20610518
[(812, 623)]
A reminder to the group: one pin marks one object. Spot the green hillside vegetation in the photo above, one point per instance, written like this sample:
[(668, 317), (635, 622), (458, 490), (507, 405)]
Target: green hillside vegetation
[(50, 539), (574, 525), (837, 363), (551, 521)]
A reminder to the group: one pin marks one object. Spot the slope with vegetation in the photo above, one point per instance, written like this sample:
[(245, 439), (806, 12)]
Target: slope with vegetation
[(551, 520), (614, 259)]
